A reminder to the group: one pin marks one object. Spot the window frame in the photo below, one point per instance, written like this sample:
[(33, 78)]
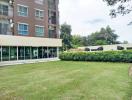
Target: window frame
[(39, 16), (19, 12), (4, 28), (39, 33), (23, 30), (39, 2), (3, 12)]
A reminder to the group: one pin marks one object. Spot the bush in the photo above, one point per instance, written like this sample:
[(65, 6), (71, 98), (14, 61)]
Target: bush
[(103, 56)]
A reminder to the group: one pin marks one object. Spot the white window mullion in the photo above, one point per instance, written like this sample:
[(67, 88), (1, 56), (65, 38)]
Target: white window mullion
[(22, 30), (22, 10)]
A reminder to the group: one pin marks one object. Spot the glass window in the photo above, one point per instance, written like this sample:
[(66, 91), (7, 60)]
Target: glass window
[(39, 14), (27, 52), (52, 32), (39, 30), (40, 49), (54, 52), (50, 52), (45, 52), (21, 53), (52, 4), (34, 53), (23, 29), (41, 2), (5, 53), (4, 28), (22, 11), (13, 53), (4, 10)]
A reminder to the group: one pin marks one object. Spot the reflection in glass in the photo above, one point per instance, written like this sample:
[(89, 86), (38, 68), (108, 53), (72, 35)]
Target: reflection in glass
[(13, 53), (21, 53), (34, 53), (45, 55), (40, 49), (27, 52), (5, 53)]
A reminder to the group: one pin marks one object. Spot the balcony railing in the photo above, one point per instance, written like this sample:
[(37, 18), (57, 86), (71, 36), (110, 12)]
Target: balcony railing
[(52, 4), (5, 29), (6, 14)]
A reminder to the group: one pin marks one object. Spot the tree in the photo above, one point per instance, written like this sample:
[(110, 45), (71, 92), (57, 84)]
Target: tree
[(77, 41), (84, 41), (103, 37), (125, 42), (66, 36), (124, 7), (111, 36)]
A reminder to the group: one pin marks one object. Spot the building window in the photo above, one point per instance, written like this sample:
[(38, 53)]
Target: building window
[(52, 52), (39, 30), (52, 32), (3, 10), (34, 53), (5, 53), (41, 2), (23, 29), (27, 52), (13, 53), (40, 52), (4, 28), (21, 53), (52, 4), (45, 52), (39, 14), (22, 10)]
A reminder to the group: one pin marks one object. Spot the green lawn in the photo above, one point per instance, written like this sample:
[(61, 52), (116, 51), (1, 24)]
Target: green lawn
[(66, 81)]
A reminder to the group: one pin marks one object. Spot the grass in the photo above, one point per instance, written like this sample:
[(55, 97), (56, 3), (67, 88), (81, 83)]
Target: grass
[(66, 81)]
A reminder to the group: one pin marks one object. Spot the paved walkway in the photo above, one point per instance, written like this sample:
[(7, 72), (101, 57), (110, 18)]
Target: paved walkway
[(6, 63)]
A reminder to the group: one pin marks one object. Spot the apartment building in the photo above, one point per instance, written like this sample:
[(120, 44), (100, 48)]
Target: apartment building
[(29, 29)]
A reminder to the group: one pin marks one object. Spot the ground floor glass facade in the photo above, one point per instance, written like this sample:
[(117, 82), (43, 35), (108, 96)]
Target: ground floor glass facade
[(12, 53)]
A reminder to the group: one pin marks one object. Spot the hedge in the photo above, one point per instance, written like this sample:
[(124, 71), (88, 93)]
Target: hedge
[(102, 56)]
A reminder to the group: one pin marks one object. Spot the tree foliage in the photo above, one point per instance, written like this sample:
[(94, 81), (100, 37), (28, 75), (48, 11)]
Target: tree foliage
[(103, 37), (78, 41), (124, 7), (66, 36)]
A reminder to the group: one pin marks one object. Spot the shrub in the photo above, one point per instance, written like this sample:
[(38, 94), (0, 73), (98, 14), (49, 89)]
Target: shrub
[(102, 56)]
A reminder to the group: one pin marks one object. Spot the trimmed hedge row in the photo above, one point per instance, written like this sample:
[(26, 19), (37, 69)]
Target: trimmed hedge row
[(103, 56)]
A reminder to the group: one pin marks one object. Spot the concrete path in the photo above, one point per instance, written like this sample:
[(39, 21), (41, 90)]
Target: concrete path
[(6, 63)]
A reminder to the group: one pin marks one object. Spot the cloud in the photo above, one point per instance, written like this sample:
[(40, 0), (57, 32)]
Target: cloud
[(95, 21), (87, 16)]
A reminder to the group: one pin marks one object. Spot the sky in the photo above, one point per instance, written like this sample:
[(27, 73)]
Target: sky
[(88, 16)]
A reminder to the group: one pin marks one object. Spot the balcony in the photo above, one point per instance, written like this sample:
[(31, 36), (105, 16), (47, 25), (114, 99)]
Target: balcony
[(5, 12), (53, 32), (52, 4), (5, 29), (52, 17)]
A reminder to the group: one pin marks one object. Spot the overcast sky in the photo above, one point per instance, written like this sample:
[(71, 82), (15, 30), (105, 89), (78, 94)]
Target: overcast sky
[(87, 16)]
